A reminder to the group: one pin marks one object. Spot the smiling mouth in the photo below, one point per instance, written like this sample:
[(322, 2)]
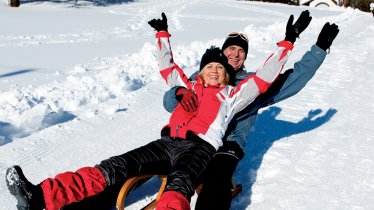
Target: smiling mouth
[(213, 77), (234, 60)]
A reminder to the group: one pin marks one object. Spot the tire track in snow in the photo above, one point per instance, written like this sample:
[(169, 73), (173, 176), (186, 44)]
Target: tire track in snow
[(225, 18), (137, 21), (253, 8), (34, 148)]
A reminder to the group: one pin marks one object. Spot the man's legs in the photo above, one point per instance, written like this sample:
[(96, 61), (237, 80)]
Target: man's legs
[(216, 190)]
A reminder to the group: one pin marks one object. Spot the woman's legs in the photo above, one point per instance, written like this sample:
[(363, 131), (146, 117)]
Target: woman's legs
[(71, 187), (186, 159), (150, 159), (153, 158)]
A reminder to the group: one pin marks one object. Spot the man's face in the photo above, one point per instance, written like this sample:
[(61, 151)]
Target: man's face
[(235, 55)]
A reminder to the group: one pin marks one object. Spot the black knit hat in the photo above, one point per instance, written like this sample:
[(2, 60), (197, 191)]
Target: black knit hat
[(215, 54), (236, 38)]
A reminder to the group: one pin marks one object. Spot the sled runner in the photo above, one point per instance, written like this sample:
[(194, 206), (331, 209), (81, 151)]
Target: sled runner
[(132, 182)]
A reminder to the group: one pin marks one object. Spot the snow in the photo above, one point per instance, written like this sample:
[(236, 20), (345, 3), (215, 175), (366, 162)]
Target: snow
[(79, 83)]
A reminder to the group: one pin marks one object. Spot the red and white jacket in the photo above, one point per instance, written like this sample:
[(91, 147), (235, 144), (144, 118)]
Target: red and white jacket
[(216, 105)]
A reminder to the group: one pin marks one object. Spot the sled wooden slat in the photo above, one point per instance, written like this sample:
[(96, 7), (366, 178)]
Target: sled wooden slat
[(236, 188), (130, 183)]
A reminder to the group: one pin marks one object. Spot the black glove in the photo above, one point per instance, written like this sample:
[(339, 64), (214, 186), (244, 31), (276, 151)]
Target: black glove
[(327, 35), (159, 25), (293, 31)]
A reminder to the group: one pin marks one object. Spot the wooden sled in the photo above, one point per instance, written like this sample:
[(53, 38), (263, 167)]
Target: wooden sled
[(130, 183)]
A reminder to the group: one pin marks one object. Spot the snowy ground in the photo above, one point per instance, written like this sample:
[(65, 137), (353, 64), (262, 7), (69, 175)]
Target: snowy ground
[(79, 83)]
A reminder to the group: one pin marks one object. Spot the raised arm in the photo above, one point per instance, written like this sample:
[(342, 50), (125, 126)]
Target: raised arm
[(248, 89), (295, 79), (265, 77), (171, 72)]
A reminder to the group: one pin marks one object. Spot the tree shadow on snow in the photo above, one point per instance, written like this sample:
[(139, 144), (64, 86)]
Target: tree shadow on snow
[(265, 132), (22, 71), (8, 131), (76, 3)]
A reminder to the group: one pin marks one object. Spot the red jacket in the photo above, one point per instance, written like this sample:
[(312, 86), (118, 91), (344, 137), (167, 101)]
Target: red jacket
[(216, 105)]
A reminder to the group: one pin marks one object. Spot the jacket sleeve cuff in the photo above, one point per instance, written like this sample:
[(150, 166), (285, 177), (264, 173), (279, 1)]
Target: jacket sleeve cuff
[(286, 44), (170, 100), (162, 34), (318, 51)]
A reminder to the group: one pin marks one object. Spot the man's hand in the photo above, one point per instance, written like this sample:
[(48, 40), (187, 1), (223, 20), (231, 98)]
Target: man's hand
[(294, 30), (159, 25), (188, 99), (327, 36)]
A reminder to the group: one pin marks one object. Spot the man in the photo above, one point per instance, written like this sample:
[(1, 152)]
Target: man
[(216, 190)]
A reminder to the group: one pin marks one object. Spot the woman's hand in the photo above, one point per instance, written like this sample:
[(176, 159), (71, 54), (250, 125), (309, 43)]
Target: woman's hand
[(159, 25), (294, 30)]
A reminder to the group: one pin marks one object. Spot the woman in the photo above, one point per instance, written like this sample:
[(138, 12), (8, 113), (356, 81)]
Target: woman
[(186, 145)]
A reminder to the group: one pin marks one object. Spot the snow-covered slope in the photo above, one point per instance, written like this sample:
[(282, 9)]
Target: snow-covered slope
[(79, 83)]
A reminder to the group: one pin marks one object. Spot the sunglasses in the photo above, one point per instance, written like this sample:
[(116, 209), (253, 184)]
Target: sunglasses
[(236, 34)]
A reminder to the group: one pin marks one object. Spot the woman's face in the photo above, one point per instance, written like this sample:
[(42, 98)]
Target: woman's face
[(214, 74)]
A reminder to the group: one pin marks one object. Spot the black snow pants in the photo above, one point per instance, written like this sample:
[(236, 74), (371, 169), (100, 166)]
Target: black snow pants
[(216, 191), (182, 160)]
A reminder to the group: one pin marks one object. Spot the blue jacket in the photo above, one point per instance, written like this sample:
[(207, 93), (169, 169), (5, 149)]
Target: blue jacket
[(287, 84)]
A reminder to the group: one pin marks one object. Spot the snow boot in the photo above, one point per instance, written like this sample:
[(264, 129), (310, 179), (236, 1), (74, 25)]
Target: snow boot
[(172, 200), (29, 196)]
